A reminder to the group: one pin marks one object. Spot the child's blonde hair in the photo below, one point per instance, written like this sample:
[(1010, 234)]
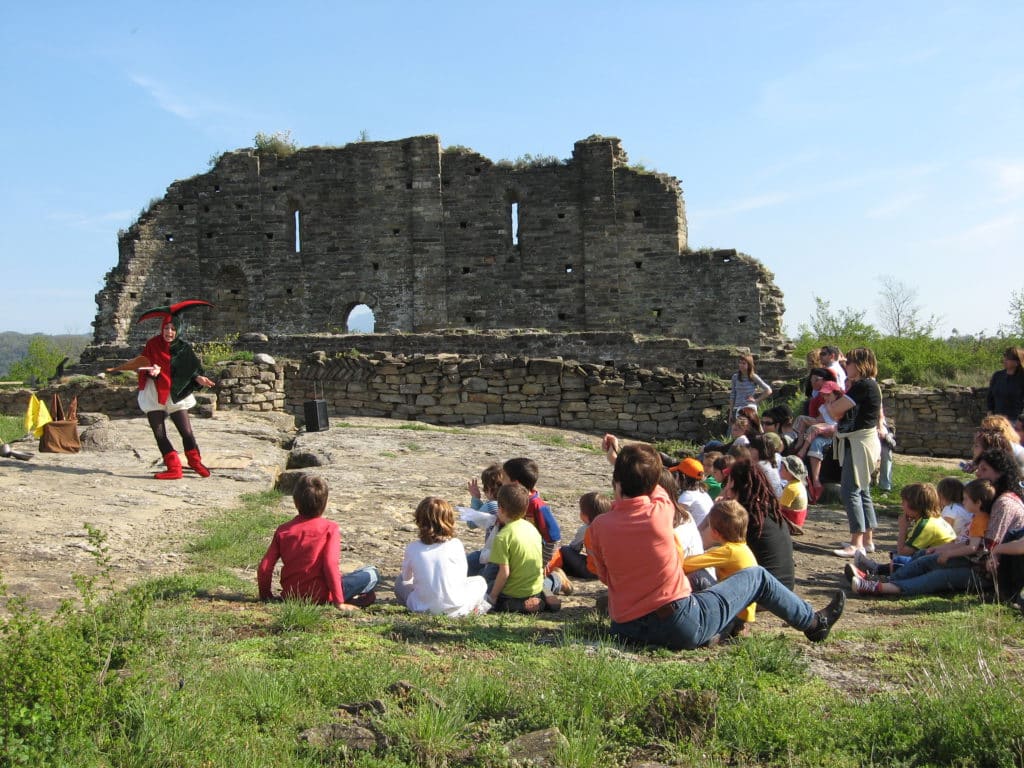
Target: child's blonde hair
[(729, 519), (435, 518), (513, 499), (998, 423), (593, 504), (492, 478), (922, 498)]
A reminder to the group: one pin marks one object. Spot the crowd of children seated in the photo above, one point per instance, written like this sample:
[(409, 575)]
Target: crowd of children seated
[(689, 547)]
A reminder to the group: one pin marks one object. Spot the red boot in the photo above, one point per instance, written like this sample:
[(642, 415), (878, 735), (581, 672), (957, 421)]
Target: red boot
[(196, 462), (173, 462)]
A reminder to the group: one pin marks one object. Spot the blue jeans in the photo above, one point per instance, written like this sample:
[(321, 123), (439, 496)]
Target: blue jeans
[(691, 622), (885, 469), (860, 509), (360, 582), (924, 576)]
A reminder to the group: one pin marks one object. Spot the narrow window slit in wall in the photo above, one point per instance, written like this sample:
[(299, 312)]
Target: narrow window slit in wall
[(298, 232), (514, 215), (169, 238), (568, 269), (376, 266)]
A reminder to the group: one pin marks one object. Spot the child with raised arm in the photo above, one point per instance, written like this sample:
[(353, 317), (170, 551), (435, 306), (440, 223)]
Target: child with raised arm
[(310, 547), (524, 472), (492, 478), (727, 523), (433, 577), (520, 585)]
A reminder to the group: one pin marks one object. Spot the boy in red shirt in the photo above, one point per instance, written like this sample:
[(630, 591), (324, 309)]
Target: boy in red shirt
[(310, 547)]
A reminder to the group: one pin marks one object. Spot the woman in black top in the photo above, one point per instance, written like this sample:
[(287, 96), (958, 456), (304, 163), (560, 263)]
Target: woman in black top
[(858, 448), (1006, 388), (767, 532)]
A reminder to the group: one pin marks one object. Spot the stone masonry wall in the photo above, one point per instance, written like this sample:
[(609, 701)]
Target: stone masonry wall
[(485, 389), (432, 239)]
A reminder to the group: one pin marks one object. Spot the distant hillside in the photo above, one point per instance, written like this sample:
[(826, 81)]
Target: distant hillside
[(14, 346)]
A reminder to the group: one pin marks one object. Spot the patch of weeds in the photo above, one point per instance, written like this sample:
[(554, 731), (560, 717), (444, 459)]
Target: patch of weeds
[(679, 448), (556, 440), (413, 447), (298, 615), (238, 538), (11, 428), (222, 350), (389, 454)]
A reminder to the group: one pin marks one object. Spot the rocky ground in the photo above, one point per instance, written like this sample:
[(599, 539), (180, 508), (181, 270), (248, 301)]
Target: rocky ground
[(378, 471)]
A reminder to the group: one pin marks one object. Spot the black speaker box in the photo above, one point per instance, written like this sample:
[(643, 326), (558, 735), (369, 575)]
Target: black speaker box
[(316, 415)]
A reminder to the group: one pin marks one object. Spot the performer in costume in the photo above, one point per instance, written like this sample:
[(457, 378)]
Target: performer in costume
[(169, 372)]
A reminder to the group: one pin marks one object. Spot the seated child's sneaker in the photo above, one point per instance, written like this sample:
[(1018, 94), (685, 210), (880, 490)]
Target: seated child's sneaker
[(565, 587), (364, 600), (865, 563), (827, 617), (852, 572)]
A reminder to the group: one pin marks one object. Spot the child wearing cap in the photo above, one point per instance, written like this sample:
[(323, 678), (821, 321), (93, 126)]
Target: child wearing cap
[(793, 502), (693, 491)]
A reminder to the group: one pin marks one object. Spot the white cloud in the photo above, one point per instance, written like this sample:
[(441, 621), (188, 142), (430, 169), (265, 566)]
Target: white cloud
[(89, 221), (165, 99), (894, 206)]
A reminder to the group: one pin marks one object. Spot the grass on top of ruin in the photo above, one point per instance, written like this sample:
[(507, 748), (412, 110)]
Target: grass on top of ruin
[(190, 670)]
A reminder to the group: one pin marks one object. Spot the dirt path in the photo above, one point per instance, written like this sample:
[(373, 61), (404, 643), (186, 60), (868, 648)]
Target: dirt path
[(378, 470)]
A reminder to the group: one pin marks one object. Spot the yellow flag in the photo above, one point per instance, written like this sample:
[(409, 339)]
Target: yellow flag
[(36, 416)]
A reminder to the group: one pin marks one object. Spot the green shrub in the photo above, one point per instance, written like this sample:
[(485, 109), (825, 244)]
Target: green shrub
[(279, 143), (222, 350)]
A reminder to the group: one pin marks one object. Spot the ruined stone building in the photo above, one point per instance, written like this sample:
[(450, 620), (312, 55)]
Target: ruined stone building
[(432, 238)]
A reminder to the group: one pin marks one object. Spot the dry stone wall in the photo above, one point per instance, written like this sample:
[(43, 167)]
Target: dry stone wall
[(432, 239)]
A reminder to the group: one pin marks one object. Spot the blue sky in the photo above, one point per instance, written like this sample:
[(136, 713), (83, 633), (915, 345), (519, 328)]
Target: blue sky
[(836, 142)]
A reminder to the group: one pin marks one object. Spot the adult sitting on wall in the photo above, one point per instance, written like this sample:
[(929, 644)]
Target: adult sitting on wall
[(169, 372), (1006, 387), (950, 569), (650, 599), (858, 448)]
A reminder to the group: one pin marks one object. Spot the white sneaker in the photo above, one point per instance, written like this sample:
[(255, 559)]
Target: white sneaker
[(848, 551), (869, 548)]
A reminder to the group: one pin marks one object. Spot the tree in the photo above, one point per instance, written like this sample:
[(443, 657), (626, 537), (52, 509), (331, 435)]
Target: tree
[(843, 325), (899, 311), (41, 362), (1015, 327)]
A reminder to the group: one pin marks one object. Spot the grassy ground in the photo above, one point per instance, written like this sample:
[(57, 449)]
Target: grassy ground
[(11, 428), (191, 671)]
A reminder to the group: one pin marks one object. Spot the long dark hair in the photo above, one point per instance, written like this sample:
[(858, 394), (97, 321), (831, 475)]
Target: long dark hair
[(754, 492), (1005, 464)]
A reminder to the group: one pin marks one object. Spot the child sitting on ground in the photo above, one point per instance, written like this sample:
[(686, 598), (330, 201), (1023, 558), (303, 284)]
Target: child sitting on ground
[(951, 497), (492, 478), (310, 547), (572, 558), (689, 474), (524, 472), (922, 519), (793, 502), (433, 577), (727, 522), (520, 585), (707, 460)]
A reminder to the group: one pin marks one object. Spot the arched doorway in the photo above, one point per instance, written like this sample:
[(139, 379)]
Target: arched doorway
[(360, 319)]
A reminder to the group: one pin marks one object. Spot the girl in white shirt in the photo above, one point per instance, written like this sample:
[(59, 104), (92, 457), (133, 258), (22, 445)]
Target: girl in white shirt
[(433, 578)]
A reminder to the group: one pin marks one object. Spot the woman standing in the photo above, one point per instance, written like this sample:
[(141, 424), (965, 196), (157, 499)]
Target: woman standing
[(858, 448), (169, 372), (1006, 388)]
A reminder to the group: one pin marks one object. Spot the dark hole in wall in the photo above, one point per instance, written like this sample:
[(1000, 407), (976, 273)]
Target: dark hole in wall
[(238, 206), (209, 235), (742, 318), (511, 259), (235, 291), (656, 312), (395, 231), (167, 295), (376, 266), (637, 214), (476, 169), (561, 215), (610, 363), (216, 187), (639, 264), (133, 295), (568, 269), (288, 291), (274, 187), (408, 185), (206, 209), (181, 207), (699, 363), (467, 270), (270, 235), (562, 316), (469, 319), (169, 238), (463, 224)]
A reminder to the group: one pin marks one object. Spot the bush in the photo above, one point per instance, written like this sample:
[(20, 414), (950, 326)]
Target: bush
[(279, 143)]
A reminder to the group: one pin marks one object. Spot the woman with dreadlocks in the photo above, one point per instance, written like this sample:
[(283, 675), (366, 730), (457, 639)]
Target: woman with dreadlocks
[(169, 372), (767, 533)]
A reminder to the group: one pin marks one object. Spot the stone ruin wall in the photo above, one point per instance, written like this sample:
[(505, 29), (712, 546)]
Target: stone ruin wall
[(424, 237), (466, 390)]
